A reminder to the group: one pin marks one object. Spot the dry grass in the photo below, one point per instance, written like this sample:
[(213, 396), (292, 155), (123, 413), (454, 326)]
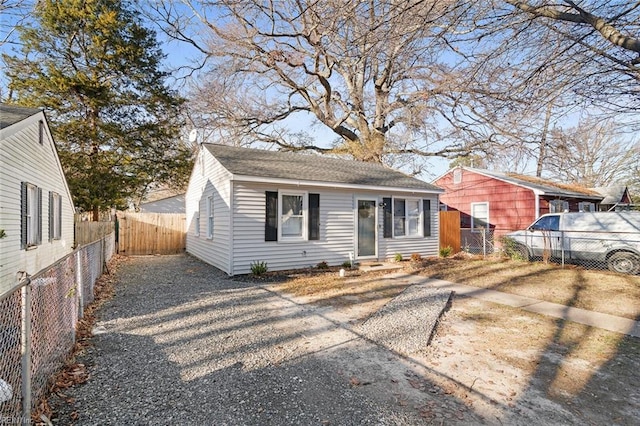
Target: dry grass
[(596, 290), (600, 291)]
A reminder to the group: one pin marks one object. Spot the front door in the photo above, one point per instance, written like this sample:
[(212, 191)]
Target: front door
[(366, 232)]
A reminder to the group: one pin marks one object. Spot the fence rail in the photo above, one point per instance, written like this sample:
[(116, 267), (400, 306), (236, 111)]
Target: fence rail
[(38, 324)]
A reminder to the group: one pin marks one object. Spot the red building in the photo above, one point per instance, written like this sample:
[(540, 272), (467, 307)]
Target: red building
[(507, 202)]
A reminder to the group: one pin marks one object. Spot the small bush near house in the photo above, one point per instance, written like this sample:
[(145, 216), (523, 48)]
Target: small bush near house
[(398, 257), (2, 233), (511, 248), (259, 268), (446, 251), (346, 264), (323, 265), (416, 257)]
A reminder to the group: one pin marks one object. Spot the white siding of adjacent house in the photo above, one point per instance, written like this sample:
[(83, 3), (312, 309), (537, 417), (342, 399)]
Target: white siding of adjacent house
[(214, 181), (24, 159)]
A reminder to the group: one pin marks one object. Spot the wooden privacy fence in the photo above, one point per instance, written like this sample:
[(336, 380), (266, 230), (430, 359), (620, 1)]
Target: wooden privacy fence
[(450, 230), (151, 233), (88, 232)]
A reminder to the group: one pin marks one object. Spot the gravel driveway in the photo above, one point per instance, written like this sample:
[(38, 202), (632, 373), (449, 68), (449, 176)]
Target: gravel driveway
[(182, 344)]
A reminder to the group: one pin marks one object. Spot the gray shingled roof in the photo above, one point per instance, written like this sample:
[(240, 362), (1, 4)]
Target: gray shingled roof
[(544, 187), (612, 194), (311, 167), (11, 114)]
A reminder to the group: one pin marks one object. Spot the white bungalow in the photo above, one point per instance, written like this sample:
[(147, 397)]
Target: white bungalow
[(36, 209), (294, 210)]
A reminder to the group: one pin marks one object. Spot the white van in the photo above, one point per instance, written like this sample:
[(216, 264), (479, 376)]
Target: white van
[(611, 238)]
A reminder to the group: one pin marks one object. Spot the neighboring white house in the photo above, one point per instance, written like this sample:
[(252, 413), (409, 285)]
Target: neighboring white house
[(294, 210), (36, 210)]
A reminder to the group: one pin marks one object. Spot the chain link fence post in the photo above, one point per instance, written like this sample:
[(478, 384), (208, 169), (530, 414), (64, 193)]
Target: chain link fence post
[(26, 349)]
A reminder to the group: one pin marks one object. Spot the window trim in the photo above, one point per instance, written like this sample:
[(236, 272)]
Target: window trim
[(419, 218), (583, 204), (210, 220), (196, 230), (55, 217), (31, 216), (563, 205), (305, 216), (473, 216)]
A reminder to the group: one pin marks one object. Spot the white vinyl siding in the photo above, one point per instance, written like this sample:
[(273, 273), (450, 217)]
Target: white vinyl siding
[(20, 148), (333, 246), (427, 246), (209, 192)]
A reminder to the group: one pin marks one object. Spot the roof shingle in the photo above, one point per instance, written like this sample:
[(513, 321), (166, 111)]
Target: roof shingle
[(311, 167), (11, 114)]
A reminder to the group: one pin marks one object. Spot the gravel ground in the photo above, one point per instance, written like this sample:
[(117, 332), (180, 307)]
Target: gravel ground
[(181, 343)]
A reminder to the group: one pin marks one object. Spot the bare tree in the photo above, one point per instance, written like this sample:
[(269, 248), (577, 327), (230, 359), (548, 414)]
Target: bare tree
[(375, 73), (592, 154), (593, 46)]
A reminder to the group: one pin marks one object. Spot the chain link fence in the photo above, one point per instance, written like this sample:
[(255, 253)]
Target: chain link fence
[(616, 251), (38, 324), (478, 241)]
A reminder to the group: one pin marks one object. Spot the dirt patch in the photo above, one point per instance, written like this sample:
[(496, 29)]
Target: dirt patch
[(507, 365)]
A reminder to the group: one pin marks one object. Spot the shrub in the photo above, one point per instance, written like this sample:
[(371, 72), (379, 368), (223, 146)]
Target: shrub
[(398, 257), (416, 257), (323, 265), (511, 248), (446, 251), (259, 268), (346, 264)]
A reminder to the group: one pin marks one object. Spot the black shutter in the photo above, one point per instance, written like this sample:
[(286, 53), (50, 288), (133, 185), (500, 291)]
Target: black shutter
[(271, 219), (23, 215), (39, 218), (426, 215), (51, 216), (388, 218), (314, 216)]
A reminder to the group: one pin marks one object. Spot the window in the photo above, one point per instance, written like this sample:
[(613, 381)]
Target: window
[(457, 176), (292, 216), (547, 223), (406, 217), (55, 216), (210, 216), (586, 207), (196, 221), (479, 216), (558, 206), (31, 217)]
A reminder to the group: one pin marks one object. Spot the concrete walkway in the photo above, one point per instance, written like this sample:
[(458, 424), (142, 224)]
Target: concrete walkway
[(582, 316)]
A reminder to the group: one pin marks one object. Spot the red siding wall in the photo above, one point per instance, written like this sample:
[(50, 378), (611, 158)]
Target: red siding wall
[(511, 207)]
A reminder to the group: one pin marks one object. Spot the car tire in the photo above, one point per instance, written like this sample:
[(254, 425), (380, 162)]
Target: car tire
[(624, 262)]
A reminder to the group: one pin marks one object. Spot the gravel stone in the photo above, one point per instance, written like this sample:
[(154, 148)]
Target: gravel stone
[(407, 322), (182, 344)]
